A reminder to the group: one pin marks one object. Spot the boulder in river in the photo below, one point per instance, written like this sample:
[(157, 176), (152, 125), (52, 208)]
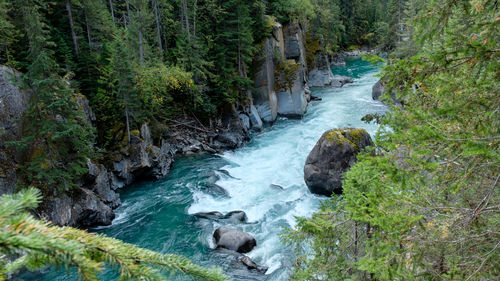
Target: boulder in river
[(339, 80), (234, 239), (333, 154), (250, 264), (209, 215), (235, 217)]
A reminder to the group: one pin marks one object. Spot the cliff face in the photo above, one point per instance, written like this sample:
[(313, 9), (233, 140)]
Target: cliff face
[(294, 103), (13, 103), (286, 43)]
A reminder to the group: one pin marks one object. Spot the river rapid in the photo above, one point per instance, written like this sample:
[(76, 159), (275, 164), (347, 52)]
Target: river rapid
[(158, 215)]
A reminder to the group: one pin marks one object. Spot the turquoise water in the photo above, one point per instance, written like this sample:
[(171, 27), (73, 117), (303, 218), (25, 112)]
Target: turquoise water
[(157, 215)]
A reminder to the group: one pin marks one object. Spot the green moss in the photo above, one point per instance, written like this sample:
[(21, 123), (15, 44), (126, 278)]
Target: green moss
[(313, 46), (350, 135)]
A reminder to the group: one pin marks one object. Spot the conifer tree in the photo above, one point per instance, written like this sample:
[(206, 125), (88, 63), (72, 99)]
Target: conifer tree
[(7, 32), (57, 138)]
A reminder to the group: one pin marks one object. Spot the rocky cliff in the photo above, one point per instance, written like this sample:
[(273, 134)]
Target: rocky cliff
[(13, 103), (285, 44)]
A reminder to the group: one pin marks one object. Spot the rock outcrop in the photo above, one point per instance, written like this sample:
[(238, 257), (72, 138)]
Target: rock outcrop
[(320, 73), (13, 103), (377, 90), (234, 240), (285, 45), (264, 98), (293, 102), (333, 154)]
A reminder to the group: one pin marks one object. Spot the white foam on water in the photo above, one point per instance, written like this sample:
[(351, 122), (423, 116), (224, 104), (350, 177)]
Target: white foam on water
[(277, 156)]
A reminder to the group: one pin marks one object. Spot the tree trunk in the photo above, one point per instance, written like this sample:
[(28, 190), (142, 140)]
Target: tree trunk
[(112, 11), (141, 43), (128, 124), (195, 8), (72, 27), (128, 12), (186, 18), (88, 28), (158, 29)]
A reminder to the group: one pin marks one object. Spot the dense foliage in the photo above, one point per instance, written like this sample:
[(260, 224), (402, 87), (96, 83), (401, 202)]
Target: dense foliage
[(152, 61), (424, 203), (27, 242)]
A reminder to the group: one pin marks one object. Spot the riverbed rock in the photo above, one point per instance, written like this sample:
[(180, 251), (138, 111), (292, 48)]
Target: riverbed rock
[(255, 120), (339, 81), (234, 239), (245, 120), (235, 217), (334, 153), (379, 89), (215, 215), (250, 264), (215, 189), (320, 77), (276, 186)]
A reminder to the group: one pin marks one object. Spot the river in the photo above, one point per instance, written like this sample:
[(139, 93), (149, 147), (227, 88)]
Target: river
[(158, 215)]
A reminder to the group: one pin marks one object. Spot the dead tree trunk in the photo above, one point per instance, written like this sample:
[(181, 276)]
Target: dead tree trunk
[(72, 27)]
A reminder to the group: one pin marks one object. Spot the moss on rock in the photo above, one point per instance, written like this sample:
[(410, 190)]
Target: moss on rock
[(352, 136)]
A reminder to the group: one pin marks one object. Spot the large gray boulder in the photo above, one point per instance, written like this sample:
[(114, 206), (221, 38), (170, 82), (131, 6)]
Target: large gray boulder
[(333, 154), (233, 239)]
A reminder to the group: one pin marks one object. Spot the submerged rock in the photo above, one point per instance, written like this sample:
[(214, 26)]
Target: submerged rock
[(215, 215), (234, 239), (333, 154), (236, 217), (276, 186), (250, 264), (340, 81), (233, 217), (217, 190)]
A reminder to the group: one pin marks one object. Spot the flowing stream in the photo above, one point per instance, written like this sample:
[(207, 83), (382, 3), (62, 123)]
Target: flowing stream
[(158, 215)]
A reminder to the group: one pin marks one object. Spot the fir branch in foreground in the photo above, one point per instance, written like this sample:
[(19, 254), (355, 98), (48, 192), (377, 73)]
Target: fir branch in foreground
[(26, 242)]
